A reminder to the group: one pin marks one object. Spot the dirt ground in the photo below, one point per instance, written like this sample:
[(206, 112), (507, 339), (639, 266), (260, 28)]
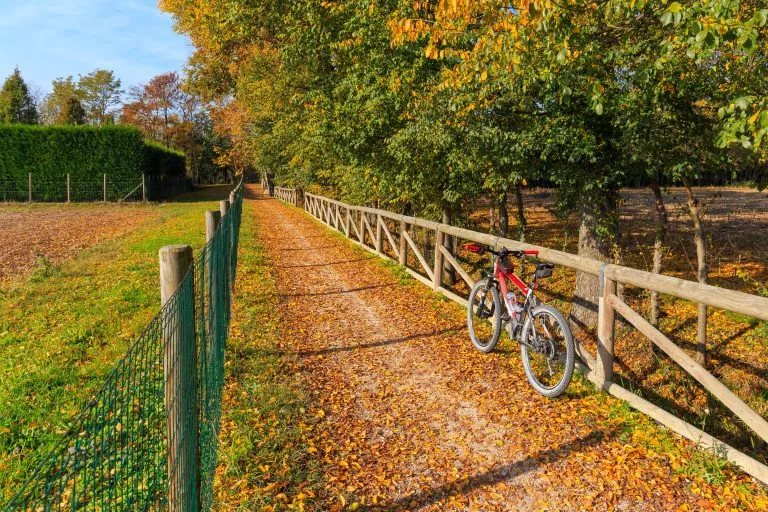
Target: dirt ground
[(41, 235), (411, 417)]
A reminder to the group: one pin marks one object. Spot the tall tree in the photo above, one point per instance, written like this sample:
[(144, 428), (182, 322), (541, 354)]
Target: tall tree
[(16, 103), (165, 112), (100, 93), (57, 101), (72, 112)]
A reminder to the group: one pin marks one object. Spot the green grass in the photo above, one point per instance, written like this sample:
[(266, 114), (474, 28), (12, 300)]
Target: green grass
[(265, 457), (64, 327)]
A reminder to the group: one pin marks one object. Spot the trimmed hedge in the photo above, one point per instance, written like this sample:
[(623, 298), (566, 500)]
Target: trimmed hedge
[(86, 153), (160, 160)]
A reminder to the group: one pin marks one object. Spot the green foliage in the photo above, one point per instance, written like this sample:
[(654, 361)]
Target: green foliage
[(424, 106), (160, 160), (16, 105), (86, 153), (100, 92), (72, 112)]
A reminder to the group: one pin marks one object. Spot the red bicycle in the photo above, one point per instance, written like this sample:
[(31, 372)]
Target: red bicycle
[(546, 342)]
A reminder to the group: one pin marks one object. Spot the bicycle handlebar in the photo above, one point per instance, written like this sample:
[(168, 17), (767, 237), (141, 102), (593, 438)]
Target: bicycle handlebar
[(517, 254), (503, 252)]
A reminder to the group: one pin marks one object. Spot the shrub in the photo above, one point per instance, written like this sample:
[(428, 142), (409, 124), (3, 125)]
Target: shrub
[(86, 153), (160, 160)]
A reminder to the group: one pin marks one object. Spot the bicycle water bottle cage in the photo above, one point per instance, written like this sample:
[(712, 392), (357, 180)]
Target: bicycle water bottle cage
[(544, 269)]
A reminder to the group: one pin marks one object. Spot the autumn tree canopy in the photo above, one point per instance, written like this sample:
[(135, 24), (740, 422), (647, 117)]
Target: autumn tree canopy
[(423, 106)]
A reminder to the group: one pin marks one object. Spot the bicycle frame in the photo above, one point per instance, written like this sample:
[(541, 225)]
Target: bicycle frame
[(501, 277)]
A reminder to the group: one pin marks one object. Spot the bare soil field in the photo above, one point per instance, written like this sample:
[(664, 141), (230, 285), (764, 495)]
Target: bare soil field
[(44, 234)]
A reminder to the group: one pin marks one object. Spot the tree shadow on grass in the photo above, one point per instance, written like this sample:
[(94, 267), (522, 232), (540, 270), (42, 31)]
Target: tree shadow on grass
[(202, 194)]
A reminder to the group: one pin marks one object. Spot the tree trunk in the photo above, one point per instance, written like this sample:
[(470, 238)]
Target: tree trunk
[(503, 216), (449, 274), (658, 243), (491, 218), (694, 211), (598, 232), (522, 222)]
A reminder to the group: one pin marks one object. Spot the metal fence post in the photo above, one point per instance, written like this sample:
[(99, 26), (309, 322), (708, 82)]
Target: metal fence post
[(180, 372), (30, 188), (105, 188), (68, 188), (143, 187)]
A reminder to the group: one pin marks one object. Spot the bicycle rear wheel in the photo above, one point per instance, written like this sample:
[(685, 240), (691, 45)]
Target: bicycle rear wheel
[(484, 316), (548, 351)]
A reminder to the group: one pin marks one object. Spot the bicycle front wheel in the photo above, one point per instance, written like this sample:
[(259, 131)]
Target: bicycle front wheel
[(484, 316), (548, 351)]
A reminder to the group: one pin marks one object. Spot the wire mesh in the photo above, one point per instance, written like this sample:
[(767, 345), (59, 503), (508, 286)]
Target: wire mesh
[(49, 191), (134, 446)]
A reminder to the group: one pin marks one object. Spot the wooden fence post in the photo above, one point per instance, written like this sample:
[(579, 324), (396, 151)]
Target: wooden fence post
[(180, 371), (605, 327), (223, 207), (143, 188), (68, 196), (105, 188), (437, 279), (403, 244), (212, 219), (30, 188), (379, 234)]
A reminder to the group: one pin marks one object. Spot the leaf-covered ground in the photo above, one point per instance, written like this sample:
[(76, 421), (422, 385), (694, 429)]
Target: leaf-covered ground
[(403, 414)]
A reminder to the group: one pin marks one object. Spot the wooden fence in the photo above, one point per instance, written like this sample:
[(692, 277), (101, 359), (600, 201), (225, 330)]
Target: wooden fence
[(376, 229), (288, 195)]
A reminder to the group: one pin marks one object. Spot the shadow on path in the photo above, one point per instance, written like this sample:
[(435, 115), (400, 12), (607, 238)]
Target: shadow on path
[(325, 264), (382, 343), (498, 474), (335, 292)]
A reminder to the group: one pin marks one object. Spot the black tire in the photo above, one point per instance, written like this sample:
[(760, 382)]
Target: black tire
[(484, 335), (554, 350)]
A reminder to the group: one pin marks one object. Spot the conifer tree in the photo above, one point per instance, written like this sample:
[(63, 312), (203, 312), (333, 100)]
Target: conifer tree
[(16, 104)]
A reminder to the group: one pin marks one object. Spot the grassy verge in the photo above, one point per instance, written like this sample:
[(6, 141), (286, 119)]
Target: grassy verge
[(65, 326), (265, 461)]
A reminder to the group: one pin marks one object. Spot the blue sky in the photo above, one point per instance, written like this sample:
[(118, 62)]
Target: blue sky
[(48, 39)]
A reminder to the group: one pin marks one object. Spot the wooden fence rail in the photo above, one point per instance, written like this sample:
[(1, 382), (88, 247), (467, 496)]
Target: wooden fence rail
[(391, 236), (288, 195)]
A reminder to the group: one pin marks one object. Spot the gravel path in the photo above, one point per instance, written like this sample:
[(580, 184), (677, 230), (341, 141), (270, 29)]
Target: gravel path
[(410, 417)]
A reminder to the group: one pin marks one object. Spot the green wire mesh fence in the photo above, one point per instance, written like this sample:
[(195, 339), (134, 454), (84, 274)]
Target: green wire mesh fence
[(135, 446)]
